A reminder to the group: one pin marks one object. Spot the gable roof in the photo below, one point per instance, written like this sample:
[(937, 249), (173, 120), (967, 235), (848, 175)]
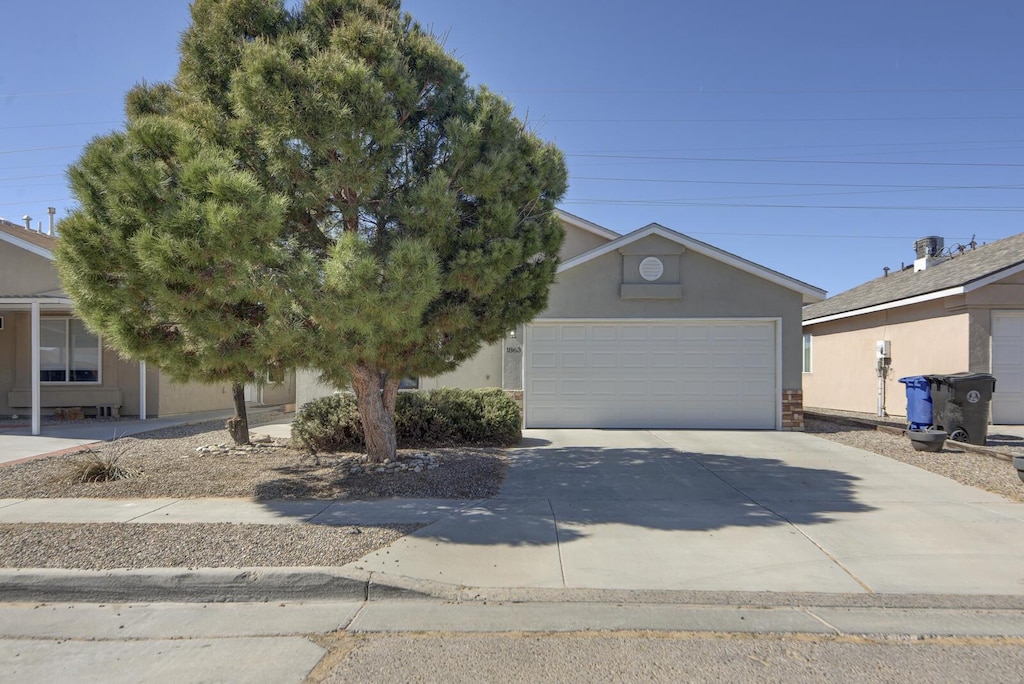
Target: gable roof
[(809, 292), (29, 240), (959, 274), (586, 225)]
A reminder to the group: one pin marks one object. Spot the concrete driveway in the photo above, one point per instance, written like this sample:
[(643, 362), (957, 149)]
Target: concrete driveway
[(719, 511)]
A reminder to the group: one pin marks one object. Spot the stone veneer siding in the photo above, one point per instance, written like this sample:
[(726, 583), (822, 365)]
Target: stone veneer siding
[(793, 410)]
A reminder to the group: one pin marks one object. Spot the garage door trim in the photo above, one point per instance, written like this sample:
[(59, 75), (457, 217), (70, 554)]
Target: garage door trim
[(776, 322)]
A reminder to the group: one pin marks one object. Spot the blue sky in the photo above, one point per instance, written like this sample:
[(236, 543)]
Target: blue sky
[(819, 139)]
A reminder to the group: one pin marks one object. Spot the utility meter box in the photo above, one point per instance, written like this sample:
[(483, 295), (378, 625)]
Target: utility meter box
[(883, 350)]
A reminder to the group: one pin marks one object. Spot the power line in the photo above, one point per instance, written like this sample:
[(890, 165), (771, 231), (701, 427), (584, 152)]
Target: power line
[(790, 161), (686, 203), (43, 175), (56, 93), (762, 91), (785, 183), (804, 147), (33, 201), (788, 119), (42, 149), (60, 125)]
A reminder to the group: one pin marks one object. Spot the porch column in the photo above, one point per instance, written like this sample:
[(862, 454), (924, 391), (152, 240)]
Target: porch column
[(36, 396), (142, 390)]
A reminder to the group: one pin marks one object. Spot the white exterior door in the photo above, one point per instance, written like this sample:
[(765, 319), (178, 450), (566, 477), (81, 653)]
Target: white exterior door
[(1008, 367), (653, 374)]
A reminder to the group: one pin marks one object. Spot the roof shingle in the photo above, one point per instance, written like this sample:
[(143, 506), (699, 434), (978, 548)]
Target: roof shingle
[(960, 269), (37, 239)]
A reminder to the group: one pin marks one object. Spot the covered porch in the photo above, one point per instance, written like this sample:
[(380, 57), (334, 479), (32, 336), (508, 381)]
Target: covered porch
[(49, 360)]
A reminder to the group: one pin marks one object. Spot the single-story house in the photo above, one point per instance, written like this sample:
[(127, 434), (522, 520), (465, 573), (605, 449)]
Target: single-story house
[(652, 329), (950, 311), (68, 366)]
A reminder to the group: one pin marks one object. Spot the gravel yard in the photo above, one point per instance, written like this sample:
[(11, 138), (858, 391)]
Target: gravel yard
[(166, 463), (135, 545), (196, 461), (967, 467)]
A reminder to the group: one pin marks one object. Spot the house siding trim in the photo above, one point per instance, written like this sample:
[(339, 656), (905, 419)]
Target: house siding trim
[(809, 292)]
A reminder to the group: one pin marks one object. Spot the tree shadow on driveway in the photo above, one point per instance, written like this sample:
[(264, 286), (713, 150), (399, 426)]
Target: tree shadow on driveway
[(556, 495)]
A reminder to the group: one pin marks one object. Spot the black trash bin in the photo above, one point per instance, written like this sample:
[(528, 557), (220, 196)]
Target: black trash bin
[(960, 403)]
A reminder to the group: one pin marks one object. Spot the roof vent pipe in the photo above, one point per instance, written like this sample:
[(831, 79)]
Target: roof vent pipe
[(930, 246), (52, 211), (28, 221)]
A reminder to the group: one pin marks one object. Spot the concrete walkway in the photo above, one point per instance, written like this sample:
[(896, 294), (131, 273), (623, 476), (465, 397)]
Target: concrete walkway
[(17, 442), (585, 510), (719, 511)]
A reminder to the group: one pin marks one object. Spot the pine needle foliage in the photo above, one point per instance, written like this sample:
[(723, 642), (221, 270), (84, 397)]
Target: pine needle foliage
[(319, 186)]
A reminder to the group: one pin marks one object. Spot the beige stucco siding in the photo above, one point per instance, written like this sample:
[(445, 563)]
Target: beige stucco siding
[(281, 392), (176, 398), (925, 338), (25, 273), (578, 241), (482, 370), (709, 289)]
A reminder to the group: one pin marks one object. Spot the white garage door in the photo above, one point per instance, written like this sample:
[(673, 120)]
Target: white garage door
[(652, 374), (1008, 367)]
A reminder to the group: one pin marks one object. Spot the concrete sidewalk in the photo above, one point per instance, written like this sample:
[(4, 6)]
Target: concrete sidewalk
[(663, 511), (17, 442)]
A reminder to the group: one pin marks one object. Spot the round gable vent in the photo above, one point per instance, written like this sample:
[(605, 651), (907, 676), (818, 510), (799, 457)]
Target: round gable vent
[(651, 268)]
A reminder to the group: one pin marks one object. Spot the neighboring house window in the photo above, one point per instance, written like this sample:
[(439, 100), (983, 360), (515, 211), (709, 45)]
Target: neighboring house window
[(409, 384), (807, 353), (275, 375), (67, 351)]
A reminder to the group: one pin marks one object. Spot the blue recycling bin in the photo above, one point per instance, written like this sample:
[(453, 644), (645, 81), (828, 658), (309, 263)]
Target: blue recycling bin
[(919, 402)]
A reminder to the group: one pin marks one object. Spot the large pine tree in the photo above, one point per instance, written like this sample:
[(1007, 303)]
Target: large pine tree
[(387, 218)]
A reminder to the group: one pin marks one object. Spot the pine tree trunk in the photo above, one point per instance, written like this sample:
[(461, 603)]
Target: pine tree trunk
[(378, 422), (239, 425)]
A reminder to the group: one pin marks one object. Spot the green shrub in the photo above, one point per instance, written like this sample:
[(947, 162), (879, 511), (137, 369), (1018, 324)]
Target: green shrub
[(329, 424), (435, 418)]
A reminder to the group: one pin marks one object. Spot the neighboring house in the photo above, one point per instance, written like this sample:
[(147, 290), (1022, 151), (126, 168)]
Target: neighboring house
[(74, 368), (951, 311), (648, 330)]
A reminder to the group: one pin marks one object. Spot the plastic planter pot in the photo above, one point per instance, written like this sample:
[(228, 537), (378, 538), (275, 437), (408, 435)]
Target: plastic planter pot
[(927, 440)]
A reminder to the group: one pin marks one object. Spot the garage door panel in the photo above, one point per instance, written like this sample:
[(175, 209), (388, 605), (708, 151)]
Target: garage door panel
[(697, 374), (1008, 367), (633, 360), (574, 359), (544, 360), (664, 359)]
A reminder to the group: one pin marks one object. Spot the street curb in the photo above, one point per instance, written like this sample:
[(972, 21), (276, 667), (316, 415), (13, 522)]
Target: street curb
[(257, 584), (199, 585)]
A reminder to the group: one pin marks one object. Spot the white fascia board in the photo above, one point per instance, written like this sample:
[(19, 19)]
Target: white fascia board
[(26, 302), (938, 294), (929, 296), (27, 246), (994, 277), (583, 224), (809, 292)]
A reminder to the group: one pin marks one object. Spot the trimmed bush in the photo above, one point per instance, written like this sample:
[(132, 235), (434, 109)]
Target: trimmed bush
[(435, 418)]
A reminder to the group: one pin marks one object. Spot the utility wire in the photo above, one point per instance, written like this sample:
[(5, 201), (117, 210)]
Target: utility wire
[(791, 161), (786, 183), (684, 203)]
